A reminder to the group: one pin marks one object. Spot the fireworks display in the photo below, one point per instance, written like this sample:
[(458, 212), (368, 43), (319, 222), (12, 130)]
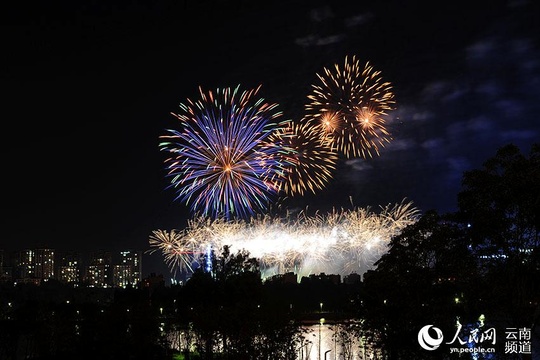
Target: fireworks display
[(232, 156), (310, 165), (340, 242), (351, 103), (221, 161)]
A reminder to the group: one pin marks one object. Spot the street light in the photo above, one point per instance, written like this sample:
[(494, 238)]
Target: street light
[(321, 321), (326, 352)]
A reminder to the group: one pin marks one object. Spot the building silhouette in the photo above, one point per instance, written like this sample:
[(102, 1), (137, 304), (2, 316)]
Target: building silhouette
[(128, 270), (69, 268), (6, 270), (44, 264), (352, 279), (99, 270), (25, 267), (102, 269)]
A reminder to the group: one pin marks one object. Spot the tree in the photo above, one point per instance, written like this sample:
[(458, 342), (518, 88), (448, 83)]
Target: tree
[(424, 278), (226, 310), (501, 204), (483, 259)]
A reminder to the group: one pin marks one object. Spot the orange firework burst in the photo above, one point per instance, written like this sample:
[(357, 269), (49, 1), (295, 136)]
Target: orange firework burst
[(310, 164), (351, 103)]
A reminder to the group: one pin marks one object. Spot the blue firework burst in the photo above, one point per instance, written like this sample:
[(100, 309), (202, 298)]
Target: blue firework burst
[(222, 161)]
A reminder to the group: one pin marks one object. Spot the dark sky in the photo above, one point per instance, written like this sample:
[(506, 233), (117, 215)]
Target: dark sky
[(88, 87)]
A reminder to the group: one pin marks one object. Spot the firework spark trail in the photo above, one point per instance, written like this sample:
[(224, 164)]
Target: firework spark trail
[(178, 252), (310, 166), (351, 103), (340, 242), (222, 162)]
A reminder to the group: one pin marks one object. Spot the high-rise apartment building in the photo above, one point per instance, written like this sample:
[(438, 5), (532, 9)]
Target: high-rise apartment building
[(25, 265), (5, 267), (68, 268), (99, 269), (44, 264), (128, 270)]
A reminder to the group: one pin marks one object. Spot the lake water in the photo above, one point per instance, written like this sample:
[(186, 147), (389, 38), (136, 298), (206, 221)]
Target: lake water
[(322, 343)]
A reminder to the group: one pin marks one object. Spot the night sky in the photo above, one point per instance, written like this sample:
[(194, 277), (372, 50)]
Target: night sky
[(88, 87)]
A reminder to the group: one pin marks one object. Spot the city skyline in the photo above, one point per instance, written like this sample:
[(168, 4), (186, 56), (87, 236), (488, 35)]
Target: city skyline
[(99, 268)]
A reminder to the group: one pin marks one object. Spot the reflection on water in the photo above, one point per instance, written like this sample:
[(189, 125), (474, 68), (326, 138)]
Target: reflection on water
[(332, 342), (320, 342)]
